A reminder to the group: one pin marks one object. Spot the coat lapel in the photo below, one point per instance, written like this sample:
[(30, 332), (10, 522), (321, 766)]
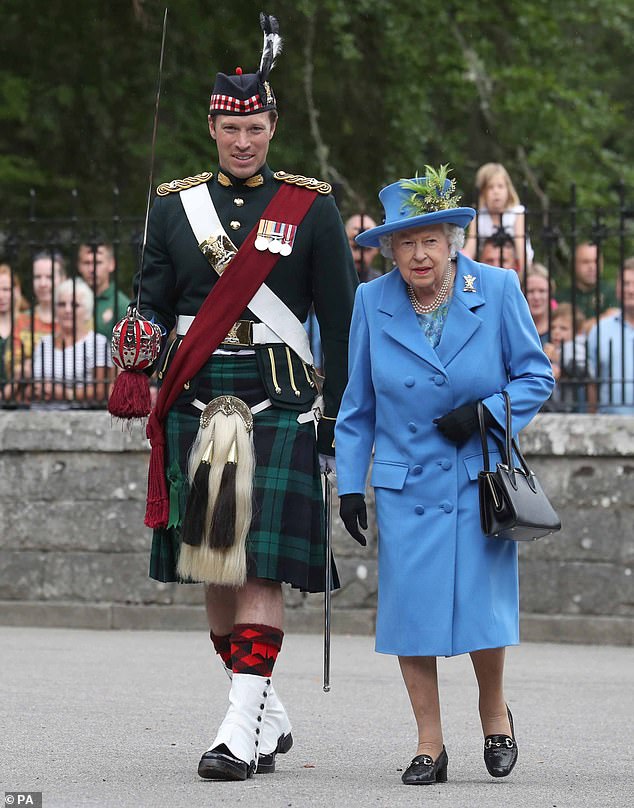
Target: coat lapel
[(401, 323), (462, 321)]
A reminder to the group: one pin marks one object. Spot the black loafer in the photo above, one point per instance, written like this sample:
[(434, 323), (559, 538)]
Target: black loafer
[(220, 764), (500, 752), (266, 763), (423, 770)]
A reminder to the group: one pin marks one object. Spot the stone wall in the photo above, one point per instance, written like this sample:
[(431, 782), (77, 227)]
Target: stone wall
[(74, 552)]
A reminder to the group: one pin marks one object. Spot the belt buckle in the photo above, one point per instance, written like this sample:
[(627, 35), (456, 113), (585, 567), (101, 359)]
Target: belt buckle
[(240, 334)]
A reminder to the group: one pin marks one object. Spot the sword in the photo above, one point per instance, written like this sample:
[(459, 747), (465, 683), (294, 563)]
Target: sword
[(328, 577), (151, 182)]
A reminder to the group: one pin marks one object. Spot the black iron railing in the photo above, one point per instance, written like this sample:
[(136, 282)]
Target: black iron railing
[(48, 360)]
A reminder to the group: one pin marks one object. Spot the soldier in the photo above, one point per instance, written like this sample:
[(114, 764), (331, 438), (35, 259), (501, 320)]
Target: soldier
[(246, 514)]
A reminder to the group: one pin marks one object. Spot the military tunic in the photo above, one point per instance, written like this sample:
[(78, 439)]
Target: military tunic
[(319, 271)]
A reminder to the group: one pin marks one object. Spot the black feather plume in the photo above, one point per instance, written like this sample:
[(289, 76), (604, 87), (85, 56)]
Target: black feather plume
[(272, 43)]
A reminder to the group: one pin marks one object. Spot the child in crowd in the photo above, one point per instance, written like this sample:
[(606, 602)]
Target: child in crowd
[(567, 353), (499, 211)]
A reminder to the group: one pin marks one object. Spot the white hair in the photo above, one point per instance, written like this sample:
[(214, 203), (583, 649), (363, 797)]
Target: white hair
[(78, 291), (455, 237)]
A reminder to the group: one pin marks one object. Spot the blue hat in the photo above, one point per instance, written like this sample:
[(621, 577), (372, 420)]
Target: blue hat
[(418, 202)]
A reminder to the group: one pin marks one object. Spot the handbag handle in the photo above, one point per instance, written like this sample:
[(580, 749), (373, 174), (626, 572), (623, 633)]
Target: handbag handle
[(510, 444), (483, 437)]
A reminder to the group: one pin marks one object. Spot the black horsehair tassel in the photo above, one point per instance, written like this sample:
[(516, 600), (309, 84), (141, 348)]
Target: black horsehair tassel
[(193, 526), (223, 520), (272, 44)]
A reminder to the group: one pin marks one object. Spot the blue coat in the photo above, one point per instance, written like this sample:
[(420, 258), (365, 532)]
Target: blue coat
[(444, 587)]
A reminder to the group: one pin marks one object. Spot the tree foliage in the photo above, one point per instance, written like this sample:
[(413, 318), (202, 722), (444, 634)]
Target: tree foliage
[(368, 92)]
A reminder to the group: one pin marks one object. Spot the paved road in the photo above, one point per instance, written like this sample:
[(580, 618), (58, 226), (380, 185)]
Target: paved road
[(119, 720)]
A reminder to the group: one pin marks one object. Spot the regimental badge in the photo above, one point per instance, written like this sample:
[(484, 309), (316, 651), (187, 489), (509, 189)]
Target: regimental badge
[(469, 281), (276, 237), (218, 250), (270, 98)]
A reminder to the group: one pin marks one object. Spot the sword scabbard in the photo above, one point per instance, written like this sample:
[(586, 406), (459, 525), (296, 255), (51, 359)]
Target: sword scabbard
[(327, 577)]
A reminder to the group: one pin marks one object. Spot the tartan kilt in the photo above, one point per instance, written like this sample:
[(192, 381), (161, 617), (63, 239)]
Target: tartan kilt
[(286, 541)]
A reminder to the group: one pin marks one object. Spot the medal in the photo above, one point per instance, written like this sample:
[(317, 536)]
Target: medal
[(288, 239), (276, 237)]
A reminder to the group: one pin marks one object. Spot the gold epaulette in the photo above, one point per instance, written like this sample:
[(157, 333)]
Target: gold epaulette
[(305, 182), (175, 186)]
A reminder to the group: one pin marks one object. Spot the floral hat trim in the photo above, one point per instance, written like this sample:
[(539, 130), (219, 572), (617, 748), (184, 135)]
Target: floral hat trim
[(431, 193)]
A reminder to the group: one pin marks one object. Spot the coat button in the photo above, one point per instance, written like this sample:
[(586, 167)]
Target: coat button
[(439, 380), (446, 506), (412, 427), (444, 464), (419, 509), (238, 202), (235, 225), (410, 381), (417, 470)]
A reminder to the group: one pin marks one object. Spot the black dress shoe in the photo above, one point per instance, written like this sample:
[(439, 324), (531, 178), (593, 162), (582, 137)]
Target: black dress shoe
[(423, 771), (266, 763), (220, 764), (500, 752)]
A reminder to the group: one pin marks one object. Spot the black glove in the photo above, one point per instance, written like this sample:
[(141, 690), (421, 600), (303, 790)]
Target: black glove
[(353, 514), (459, 424)]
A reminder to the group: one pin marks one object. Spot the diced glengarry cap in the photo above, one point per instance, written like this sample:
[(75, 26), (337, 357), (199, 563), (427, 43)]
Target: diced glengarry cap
[(249, 93)]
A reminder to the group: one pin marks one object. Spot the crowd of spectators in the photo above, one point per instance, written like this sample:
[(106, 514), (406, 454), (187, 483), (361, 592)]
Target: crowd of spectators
[(54, 348), (55, 326), (584, 320)]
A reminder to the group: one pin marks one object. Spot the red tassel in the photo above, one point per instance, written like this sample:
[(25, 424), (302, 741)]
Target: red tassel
[(157, 506), (130, 396)]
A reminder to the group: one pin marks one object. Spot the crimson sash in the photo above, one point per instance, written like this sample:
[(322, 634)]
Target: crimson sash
[(224, 304)]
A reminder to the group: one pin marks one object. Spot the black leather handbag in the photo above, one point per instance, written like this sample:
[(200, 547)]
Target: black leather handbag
[(512, 502)]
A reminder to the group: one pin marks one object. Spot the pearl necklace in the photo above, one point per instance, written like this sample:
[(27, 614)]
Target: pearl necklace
[(419, 307)]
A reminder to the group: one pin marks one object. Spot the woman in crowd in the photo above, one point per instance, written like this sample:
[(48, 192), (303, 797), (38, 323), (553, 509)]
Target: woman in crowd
[(49, 270), (74, 365), (428, 341), (499, 211), (11, 365), (539, 290)]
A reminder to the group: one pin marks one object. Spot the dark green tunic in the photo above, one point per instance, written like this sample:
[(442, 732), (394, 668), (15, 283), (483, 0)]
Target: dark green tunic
[(319, 271)]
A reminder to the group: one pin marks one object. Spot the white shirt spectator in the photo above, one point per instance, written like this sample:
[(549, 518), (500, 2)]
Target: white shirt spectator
[(74, 363)]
